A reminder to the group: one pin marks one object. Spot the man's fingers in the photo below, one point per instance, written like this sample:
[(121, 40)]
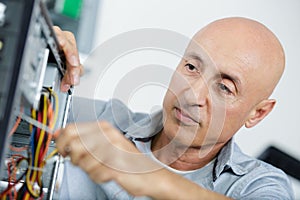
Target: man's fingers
[(74, 69), (65, 83), (71, 77), (76, 150), (67, 43), (81, 134), (89, 163), (65, 138)]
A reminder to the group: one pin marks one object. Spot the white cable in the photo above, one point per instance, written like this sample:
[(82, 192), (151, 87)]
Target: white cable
[(35, 122), (2, 13)]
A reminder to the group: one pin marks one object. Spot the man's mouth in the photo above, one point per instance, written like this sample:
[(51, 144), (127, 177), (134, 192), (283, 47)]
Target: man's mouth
[(184, 117)]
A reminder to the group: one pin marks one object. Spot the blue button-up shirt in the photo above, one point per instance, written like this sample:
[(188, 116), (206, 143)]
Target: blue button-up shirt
[(232, 173)]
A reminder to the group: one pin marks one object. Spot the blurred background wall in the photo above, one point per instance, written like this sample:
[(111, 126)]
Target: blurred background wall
[(116, 17)]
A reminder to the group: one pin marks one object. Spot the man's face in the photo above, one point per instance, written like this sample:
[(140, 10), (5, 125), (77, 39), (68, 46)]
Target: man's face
[(210, 95)]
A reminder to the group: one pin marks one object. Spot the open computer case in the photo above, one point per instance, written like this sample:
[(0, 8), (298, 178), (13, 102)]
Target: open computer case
[(31, 104)]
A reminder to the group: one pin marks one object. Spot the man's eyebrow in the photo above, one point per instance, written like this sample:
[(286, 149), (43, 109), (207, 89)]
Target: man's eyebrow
[(194, 56)]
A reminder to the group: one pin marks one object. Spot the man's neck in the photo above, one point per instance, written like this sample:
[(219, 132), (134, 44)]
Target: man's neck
[(182, 157)]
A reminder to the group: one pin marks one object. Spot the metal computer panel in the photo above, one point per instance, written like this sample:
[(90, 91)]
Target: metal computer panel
[(30, 64), (13, 34)]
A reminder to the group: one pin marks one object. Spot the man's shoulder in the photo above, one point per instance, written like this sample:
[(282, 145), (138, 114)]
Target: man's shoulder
[(113, 111), (256, 178), (242, 164), (250, 163)]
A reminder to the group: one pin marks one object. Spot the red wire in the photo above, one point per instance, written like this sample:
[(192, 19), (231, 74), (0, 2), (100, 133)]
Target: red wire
[(14, 128), (18, 149), (38, 129), (41, 153), (49, 123), (9, 178), (4, 193)]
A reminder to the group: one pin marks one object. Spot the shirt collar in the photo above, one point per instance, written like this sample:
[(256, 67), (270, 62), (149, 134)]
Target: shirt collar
[(228, 159)]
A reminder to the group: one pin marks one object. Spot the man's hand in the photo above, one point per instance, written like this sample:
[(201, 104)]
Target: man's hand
[(96, 145), (67, 43), (105, 154)]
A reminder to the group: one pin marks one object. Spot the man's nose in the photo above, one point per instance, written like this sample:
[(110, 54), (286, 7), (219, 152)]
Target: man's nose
[(198, 92)]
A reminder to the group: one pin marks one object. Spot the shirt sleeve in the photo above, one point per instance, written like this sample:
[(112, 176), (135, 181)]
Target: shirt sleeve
[(84, 109), (113, 111)]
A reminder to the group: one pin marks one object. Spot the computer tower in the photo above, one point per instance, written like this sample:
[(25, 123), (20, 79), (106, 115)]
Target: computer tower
[(32, 106)]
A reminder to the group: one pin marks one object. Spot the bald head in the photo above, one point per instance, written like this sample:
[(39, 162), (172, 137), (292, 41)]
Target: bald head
[(248, 44), (223, 82)]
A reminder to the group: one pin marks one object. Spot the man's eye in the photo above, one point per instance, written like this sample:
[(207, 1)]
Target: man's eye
[(191, 67), (224, 88)]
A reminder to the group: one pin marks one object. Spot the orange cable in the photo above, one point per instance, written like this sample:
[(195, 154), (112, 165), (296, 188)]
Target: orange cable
[(14, 128)]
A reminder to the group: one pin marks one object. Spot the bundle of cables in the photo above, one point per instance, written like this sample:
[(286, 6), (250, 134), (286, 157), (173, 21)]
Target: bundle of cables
[(32, 187)]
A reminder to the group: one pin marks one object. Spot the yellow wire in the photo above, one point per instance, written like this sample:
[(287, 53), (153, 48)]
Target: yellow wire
[(42, 162), (28, 183), (52, 124), (40, 141), (38, 149), (56, 107), (33, 114), (51, 154), (27, 196)]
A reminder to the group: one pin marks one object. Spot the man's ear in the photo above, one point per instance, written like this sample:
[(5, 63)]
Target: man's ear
[(260, 111)]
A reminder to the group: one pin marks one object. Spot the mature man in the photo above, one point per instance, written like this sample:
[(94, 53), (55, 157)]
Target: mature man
[(186, 151)]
